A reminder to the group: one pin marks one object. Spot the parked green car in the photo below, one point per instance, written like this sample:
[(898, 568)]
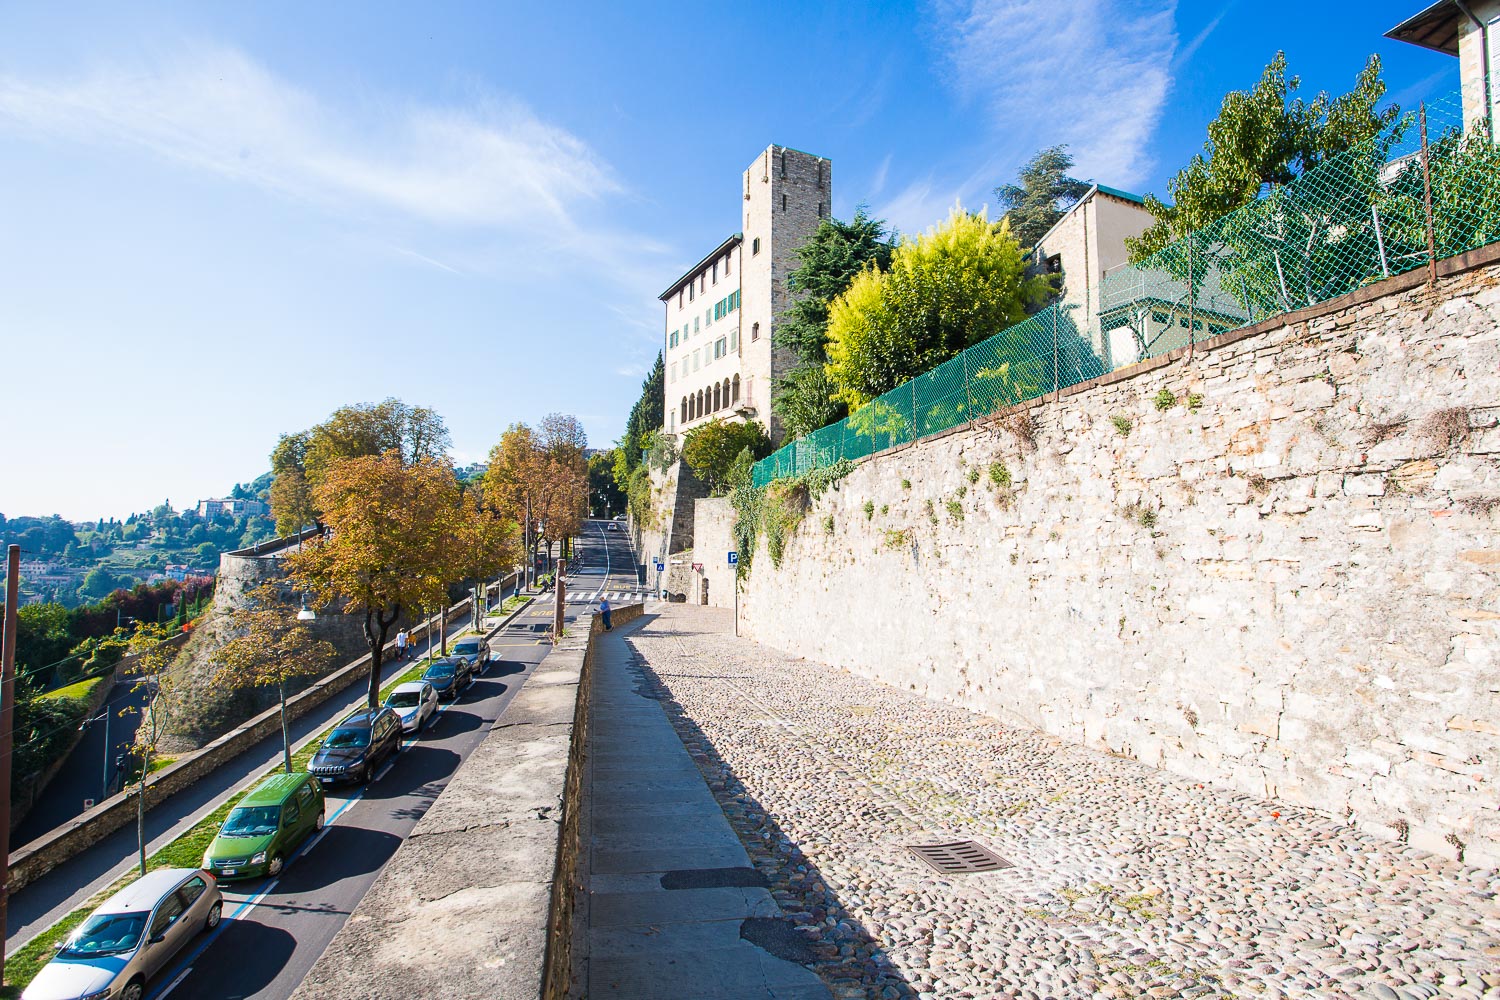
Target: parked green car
[(266, 827)]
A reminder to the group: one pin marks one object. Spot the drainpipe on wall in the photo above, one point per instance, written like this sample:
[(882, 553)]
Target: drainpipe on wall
[(1484, 57)]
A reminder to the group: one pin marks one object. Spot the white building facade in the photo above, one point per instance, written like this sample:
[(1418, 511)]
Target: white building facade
[(720, 316)]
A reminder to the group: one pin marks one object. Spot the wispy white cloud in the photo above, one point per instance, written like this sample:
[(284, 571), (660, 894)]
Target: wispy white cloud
[(877, 182), (1094, 74), (489, 165), (1191, 48)]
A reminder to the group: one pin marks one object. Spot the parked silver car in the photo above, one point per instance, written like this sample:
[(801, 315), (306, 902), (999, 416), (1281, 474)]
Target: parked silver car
[(131, 937), (415, 702)]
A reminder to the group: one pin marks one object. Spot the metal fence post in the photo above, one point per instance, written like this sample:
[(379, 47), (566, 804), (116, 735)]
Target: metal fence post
[(968, 389), (1385, 267), (1192, 299), (1427, 203), (1056, 386)]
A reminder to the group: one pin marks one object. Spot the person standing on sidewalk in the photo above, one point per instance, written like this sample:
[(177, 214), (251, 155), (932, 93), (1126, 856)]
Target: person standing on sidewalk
[(401, 643), (604, 613)]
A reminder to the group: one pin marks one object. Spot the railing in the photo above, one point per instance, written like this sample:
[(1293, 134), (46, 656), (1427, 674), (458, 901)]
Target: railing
[(1393, 204)]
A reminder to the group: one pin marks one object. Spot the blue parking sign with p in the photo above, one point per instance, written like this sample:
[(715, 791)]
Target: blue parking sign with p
[(734, 558)]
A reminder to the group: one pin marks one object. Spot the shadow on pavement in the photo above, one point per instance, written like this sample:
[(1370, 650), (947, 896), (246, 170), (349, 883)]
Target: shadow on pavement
[(258, 953), (344, 852), (834, 943)]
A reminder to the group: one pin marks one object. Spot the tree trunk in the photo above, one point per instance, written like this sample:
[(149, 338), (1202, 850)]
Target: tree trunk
[(286, 733), (140, 806), (377, 627)]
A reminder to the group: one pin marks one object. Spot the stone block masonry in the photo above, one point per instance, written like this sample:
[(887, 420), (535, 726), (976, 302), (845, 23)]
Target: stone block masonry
[(1273, 565)]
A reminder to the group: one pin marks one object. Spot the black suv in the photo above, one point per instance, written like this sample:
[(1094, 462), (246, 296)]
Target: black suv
[(449, 676), (357, 746), (475, 650)]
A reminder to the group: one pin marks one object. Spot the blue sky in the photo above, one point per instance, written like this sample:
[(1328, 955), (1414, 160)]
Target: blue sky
[(221, 221)]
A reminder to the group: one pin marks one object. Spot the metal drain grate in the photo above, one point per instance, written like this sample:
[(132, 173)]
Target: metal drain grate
[(958, 858)]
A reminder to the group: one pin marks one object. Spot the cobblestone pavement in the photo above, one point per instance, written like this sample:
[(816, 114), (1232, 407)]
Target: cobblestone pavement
[(1127, 880)]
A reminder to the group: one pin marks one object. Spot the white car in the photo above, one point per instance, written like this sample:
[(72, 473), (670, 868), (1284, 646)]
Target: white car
[(131, 937), (415, 702)]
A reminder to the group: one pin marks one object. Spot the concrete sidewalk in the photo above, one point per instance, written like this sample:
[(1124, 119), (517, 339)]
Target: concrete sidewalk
[(671, 905)]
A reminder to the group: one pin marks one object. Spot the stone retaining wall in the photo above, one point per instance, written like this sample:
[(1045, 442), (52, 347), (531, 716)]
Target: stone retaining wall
[(45, 853), (1273, 563), (475, 904)]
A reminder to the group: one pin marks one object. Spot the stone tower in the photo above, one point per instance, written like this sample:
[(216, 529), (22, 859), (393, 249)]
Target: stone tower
[(786, 193)]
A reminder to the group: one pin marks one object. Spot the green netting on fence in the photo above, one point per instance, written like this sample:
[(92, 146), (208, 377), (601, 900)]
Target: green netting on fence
[(1358, 217)]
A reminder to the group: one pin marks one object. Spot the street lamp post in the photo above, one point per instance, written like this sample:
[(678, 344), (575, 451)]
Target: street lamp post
[(104, 786)]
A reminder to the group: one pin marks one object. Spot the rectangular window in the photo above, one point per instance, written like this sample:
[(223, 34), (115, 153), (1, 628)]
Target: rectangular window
[(695, 360), (679, 298), (726, 265), (674, 372), (708, 317), (673, 341), (719, 349), (783, 203), (734, 340), (695, 324), (690, 291), (716, 272), (755, 246)]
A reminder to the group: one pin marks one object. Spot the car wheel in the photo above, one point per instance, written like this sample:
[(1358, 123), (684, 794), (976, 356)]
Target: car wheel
[(322, 819), (133, 990), (215, 914), (363, 776), (277, 864)]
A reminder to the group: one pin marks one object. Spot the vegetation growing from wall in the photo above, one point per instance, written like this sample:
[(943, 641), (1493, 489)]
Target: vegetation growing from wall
[(777, 510)]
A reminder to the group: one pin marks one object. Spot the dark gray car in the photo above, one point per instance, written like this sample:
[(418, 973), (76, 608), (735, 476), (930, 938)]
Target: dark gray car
[(357, 746)]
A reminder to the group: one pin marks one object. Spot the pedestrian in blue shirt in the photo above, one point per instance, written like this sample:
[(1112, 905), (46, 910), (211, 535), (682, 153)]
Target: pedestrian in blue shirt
[(604, 613)]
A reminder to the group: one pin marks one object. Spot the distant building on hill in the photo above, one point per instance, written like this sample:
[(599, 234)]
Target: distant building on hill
[(720, 316), (233, 506)]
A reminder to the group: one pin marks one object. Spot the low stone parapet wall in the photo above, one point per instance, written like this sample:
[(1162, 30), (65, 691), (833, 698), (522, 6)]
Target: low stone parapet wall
[(475, 904)]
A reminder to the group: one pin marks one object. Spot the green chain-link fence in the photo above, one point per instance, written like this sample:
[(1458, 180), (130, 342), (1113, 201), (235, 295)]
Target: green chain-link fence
[(1358, 217)]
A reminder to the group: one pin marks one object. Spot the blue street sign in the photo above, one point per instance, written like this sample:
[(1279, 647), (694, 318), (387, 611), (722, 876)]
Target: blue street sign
[(734, 557)]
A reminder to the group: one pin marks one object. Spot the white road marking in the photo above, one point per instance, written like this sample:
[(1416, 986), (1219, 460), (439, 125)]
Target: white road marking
[(173, 984)]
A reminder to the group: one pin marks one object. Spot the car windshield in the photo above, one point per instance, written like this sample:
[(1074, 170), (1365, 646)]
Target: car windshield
[(251, 821), (341, 738), (404, 699), (106, 934), (440, 670), (466, 647)]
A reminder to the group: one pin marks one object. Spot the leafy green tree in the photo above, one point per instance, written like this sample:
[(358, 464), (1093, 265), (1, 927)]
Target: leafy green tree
[(957, 284), (43, 635), (646, 417), (99, 582), (1263, 137), (830, 259), (1043, 194), (711, 449), (300, 461), (605, 495)]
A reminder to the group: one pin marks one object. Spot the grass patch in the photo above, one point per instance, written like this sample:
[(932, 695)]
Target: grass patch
[(79, 691), (1122, 424)]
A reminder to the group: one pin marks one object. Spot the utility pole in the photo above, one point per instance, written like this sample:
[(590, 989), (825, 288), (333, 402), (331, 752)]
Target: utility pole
[(7, 697), (560, 597)]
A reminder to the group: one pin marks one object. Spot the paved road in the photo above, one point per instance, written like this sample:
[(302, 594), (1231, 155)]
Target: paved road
[(88, 768), (54, 895), (275, 931)]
